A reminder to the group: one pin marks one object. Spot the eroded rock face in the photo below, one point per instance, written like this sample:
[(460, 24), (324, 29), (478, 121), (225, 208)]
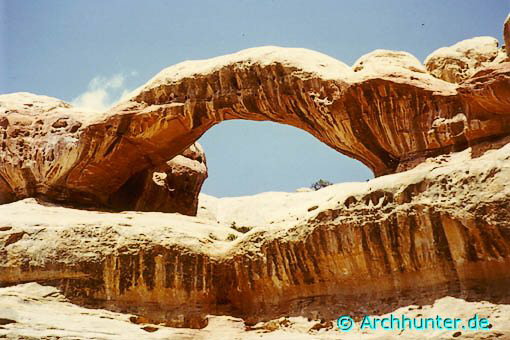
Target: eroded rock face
[(437, 225), (408, 238), (24, 315), (459, 62), (41, 142), (385, 111), (38, 142), (488, 95), (171, 187), (386, 117)]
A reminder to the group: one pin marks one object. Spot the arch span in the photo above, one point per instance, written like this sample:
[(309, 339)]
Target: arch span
[(384, 116), (386, 111)]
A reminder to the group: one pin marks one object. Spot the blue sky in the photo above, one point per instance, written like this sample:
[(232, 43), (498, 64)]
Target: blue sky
[(90, 52)]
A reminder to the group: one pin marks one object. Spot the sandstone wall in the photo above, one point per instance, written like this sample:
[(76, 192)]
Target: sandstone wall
[(408, 239)]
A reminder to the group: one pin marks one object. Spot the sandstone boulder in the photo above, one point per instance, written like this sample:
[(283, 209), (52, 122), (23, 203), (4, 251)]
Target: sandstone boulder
[(171, 187)]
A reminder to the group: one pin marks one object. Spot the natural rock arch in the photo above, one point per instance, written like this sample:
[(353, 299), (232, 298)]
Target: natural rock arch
[(383, 119), (385, 111)]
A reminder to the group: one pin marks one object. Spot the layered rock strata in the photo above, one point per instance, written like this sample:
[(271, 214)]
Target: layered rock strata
[(385, 117), (408, 238), (434, 223), (24, 315)]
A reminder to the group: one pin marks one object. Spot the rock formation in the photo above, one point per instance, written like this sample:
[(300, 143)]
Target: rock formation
[(384, 117), (434, 223), (40, 143), (385, 111), (409, 238), (171, 187), (24, 312), (459, 62)]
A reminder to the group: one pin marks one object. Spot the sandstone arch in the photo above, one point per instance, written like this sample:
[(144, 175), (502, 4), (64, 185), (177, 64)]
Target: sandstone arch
[(434, 231), (382, 116), (385, 111)]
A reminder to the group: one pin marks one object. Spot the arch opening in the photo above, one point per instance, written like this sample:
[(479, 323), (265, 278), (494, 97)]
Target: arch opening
[(246, 158)]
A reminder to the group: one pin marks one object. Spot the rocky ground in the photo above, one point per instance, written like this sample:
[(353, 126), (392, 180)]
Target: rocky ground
[(31, 311)]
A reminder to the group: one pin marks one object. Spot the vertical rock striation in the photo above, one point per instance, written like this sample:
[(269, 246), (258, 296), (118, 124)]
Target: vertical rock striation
[(436, 224), (408, 238)]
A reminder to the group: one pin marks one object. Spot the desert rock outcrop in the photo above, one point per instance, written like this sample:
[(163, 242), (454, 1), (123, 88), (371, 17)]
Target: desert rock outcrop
[(459, 62), (384, 116), (408, 238), (434, 223), (386, 111), (24, 315), (40, 143)]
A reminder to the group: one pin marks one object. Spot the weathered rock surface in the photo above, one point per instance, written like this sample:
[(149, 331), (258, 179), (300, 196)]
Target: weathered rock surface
[(40, 143), (171, 187), (439, 229), (385, 117), (437, 224), (459, 62), (40, 312), (385, 111)]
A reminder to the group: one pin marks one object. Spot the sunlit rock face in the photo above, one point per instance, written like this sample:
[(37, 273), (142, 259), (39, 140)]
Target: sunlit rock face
[(459, 62), (27, 317), (41, 142), (434, 223), (38, 142), (386, 116), (408, 238), (386, 111)]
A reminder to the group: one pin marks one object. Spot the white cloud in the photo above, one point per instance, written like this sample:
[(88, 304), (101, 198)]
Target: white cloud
[(102, 92)]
